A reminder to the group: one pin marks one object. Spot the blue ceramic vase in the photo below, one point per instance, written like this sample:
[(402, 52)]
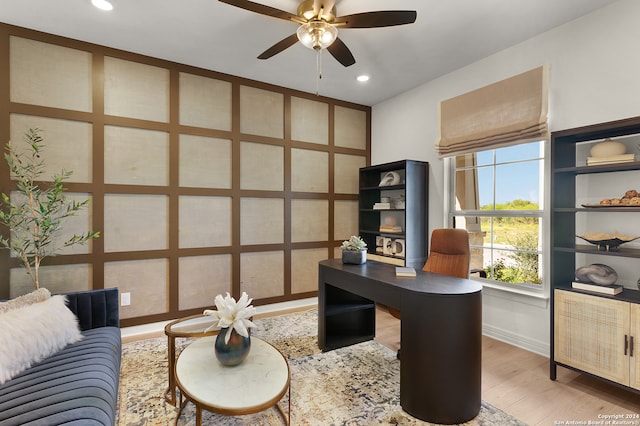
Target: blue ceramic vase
[(233, 352)]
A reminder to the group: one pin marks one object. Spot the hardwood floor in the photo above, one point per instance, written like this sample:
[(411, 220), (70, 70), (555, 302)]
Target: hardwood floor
[(517, 381)]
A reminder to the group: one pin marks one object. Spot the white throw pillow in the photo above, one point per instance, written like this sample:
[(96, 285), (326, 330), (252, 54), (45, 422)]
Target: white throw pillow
[(27, 299), (34, 332)]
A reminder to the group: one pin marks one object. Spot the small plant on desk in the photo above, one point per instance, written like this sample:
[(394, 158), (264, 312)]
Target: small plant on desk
[(354, 250)]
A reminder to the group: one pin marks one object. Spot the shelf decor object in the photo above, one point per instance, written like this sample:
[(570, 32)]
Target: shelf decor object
[(598, 278), (630, 198), (608, 148), (595, 325), (609, 152), (611, 289), (390, 178), (597, 273), (607, 243)]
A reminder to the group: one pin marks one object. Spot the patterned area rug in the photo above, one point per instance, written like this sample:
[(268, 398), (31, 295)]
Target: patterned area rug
[(356, 385)]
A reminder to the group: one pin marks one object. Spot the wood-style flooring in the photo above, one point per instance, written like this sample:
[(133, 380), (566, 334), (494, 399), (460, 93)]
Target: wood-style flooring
[(517, 381)]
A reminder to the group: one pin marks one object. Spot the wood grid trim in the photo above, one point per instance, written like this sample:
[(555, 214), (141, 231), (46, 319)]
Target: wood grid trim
[(99, 190)]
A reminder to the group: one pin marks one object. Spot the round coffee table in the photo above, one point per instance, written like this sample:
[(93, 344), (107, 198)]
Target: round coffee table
[(253, 386)]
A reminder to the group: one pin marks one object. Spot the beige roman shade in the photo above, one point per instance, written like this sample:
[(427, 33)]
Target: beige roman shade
[(504, 113)]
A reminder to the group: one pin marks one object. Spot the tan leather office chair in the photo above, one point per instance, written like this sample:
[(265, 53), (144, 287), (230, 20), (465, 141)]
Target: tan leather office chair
[(449, 254)]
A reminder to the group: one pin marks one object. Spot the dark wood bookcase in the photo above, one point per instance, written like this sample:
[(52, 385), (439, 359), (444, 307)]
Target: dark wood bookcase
[(413, 186)]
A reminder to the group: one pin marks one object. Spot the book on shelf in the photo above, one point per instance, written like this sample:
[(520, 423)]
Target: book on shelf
[(611, 159), (385, 259), (612, 289), (394, 229), (405, 271), (381, 206)]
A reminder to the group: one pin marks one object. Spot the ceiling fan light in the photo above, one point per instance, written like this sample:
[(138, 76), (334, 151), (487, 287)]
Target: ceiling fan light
[(329, 37), (305, 37), (317, 34), (102, 4)]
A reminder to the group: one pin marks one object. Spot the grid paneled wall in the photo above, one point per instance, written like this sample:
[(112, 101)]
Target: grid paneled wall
[(200, 183)]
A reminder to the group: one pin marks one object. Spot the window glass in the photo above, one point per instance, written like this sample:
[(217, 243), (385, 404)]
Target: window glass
[(483, 157), (500, 192), (517, 186), (520, 152), (485, 186), (474, 188)]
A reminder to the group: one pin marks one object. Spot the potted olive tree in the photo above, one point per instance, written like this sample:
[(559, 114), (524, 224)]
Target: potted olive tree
[(35, 212)]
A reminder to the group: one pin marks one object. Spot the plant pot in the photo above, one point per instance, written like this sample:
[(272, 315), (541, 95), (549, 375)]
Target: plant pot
[(354, 257), (233, 352)]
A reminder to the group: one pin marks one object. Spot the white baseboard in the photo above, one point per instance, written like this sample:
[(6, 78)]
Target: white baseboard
[(147, 330), (532, 345)]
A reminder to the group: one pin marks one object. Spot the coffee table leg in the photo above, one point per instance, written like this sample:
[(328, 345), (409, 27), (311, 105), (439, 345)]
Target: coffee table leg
[(289, 403), (170, 394), (198, 416), (182, 405), (285, 418)]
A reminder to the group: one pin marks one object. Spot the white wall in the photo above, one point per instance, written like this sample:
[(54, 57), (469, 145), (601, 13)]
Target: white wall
[(594, 77)]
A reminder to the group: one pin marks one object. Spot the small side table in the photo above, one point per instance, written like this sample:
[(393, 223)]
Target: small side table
[(193, 326), (258, 383)]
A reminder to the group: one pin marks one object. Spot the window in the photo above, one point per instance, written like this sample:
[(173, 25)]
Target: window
[(497, 195)]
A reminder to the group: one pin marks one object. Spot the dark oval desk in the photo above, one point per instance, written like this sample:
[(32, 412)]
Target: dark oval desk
[(441, 332)]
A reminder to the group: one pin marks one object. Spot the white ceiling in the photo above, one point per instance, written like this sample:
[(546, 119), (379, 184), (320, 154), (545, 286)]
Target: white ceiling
[(448, 34)]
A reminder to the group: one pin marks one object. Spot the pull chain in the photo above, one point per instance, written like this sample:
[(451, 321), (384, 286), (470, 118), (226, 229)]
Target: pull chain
[(318, 70)]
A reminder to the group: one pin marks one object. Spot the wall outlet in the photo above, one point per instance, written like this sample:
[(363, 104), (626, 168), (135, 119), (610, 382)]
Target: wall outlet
[(125, 299)]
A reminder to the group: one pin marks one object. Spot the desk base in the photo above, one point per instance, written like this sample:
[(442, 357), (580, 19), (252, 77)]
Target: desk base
[(440, 365), (441, 337)]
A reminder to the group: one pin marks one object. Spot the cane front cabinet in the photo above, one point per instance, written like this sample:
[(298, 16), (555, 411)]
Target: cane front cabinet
[(594, 333)]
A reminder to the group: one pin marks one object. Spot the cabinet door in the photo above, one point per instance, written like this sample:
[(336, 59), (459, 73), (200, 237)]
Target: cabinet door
[(634, 379), (589, 334)]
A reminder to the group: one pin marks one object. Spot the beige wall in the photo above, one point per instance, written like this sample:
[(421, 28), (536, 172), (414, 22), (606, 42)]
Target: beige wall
[(201, 183)]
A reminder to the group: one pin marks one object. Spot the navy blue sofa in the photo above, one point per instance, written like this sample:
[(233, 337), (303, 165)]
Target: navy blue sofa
[(79, 384)]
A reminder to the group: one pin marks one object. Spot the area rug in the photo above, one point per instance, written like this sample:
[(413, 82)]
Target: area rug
[(356, 385)]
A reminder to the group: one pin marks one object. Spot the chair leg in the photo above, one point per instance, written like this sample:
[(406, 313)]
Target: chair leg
[(398, 354)]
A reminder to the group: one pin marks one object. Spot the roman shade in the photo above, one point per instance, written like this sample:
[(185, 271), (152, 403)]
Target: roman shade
[(510, 111)]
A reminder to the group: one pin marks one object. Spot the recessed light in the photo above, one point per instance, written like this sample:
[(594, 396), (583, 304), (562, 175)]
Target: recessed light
[(362, 78), (102, 4)]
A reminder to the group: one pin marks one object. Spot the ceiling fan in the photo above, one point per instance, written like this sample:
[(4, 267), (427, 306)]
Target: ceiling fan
[(319, 25)]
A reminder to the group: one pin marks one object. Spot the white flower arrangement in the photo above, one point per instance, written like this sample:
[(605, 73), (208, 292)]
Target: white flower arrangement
[(232, 315)]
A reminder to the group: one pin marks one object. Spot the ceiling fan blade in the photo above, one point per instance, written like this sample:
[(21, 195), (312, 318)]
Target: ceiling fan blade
[(264, 10), (279, 47), (341, 52), (383, 18)]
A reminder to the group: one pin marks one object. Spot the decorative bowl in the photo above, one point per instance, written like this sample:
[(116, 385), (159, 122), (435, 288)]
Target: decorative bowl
[(607, 244)]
